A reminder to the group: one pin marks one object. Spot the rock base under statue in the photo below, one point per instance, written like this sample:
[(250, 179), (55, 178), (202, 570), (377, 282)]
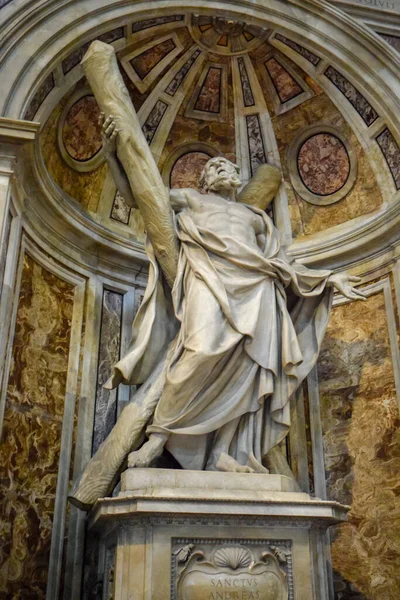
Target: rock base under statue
[(195, 535)]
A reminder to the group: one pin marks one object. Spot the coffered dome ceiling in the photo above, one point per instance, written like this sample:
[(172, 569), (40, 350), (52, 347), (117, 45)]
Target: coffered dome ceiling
[(203, 86)]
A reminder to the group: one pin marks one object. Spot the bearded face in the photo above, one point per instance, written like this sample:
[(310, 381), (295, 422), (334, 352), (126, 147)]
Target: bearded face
[(219, 175)]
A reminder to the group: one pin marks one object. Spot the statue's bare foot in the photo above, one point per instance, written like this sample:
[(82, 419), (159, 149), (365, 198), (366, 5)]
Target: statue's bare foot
[(151, 450), (227, 463)]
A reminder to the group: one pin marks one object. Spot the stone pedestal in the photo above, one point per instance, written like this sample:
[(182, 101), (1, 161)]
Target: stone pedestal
[(195, 535)]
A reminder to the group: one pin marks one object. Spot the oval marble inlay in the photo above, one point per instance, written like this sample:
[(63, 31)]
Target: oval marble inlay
[(323, 164), (187, 170), (81, 133)]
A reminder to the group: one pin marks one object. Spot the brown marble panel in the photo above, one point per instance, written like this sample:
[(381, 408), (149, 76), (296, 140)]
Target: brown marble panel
[(209, 97), (186, 129), (360, 422), (285, 85), (323, 164), (187, 170), (138, 97), (204, 28), (81, 131), (365, 196), (30, 451), (147, 60)]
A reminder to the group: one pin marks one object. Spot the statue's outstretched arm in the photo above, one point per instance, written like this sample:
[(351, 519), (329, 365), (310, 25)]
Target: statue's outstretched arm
[(262, 187), (148, 190)]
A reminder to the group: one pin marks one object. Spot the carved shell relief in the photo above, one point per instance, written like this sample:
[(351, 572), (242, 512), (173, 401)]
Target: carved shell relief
[(205, 569), (233, 558)]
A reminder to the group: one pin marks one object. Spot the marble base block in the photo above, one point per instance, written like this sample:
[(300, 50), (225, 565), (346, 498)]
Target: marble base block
[(195, 535)]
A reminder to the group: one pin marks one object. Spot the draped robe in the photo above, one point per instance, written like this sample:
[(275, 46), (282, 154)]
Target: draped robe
[(247, 325)]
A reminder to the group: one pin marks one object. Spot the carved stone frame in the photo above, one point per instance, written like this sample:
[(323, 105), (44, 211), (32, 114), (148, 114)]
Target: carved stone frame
[(185, 149), (305, 94), (194, 113), (299, 186), (144, 84), (81, 166)]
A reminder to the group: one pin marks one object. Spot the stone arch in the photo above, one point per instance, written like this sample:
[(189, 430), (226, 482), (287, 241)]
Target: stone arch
[(31, 52)]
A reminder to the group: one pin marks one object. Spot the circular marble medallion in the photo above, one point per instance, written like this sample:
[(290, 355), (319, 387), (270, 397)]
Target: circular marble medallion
[(323, 164), (81, 132)]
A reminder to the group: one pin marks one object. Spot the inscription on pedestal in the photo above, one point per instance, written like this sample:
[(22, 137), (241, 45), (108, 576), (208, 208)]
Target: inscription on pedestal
[(204, 569)]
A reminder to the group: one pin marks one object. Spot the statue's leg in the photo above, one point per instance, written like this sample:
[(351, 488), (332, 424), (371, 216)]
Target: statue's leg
[(277, 464), (151, 450), (101, 473)]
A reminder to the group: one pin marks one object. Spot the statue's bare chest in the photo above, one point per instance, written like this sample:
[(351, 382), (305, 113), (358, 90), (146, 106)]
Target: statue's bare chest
[(224, 217)]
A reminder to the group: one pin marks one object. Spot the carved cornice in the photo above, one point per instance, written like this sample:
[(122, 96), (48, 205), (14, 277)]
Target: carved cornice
[(351, 243), (369, 14), (16, 131), (108, 511), (61, 226)]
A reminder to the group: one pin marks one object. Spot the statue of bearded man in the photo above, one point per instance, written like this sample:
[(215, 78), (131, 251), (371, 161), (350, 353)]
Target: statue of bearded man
[(229, 345)]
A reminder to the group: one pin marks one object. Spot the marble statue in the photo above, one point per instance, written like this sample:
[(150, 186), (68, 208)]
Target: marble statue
[(229, 326)]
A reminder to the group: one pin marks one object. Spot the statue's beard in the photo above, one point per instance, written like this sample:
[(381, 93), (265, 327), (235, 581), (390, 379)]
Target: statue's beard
[(223, 182)]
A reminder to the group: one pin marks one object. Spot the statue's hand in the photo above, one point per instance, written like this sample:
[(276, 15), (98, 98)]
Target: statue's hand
[(109, 134), (342, 282)]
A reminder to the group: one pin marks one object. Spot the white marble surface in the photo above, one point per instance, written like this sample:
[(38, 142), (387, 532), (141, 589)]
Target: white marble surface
[(151, 535)]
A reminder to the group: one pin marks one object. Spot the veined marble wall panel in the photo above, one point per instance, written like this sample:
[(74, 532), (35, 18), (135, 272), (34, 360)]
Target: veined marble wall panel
[(3, 254), (76, 56), (307, 54), (109, 352), (391, 152), (393, 40), (40, 97), (33, 419), (365, 196), (149, 23), (360, 426)]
